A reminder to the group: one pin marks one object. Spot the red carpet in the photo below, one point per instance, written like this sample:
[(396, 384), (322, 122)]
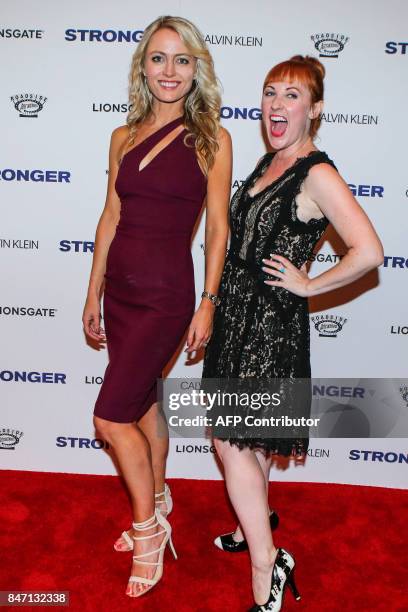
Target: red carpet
[(57, 532)]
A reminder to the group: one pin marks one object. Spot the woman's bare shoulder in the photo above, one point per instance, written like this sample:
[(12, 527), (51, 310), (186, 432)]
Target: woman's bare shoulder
[(119, 139), (223, 135), (120, 135)]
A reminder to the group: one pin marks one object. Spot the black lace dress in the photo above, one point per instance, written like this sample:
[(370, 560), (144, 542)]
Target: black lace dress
[(262, 332)]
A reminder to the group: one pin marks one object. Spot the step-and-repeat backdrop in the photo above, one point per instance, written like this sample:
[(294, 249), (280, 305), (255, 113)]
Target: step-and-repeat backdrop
[(64, 70)]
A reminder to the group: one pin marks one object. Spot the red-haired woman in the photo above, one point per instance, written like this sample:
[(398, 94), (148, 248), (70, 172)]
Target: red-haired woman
[(261, 327)]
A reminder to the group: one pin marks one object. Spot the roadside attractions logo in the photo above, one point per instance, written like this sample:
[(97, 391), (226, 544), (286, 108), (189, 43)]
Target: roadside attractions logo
[(9, 438), (28, 105), (329, 45), (328, 325)]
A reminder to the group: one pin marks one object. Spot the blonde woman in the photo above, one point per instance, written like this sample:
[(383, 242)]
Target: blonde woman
[(170, 157)]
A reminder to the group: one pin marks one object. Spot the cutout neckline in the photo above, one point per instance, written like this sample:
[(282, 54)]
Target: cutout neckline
[(278, 178), (159, 148), (139, 144)]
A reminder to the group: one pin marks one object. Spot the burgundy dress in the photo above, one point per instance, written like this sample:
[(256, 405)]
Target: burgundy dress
[(149, 297)]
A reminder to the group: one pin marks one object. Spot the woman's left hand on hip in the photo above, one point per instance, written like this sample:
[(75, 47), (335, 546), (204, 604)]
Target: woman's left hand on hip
[(289, 276)]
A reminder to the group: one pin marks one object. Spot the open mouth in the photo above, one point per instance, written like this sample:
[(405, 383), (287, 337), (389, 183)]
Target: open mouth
[(278, 125), (169, 84)]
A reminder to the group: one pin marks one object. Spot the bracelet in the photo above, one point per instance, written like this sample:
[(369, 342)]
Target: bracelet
[(214, 299)]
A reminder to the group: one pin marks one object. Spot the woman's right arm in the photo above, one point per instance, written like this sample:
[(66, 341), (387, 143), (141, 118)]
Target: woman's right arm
[(105, 232)]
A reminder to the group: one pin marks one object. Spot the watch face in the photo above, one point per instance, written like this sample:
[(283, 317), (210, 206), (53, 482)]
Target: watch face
[(214, 299)]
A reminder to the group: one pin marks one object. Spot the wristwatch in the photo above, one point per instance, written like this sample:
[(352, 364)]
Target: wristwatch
[(214, 299)]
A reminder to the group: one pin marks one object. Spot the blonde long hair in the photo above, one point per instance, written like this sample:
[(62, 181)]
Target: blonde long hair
[(202, 105)]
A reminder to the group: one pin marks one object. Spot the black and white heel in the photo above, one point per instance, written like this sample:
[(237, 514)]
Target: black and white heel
[(227, 543), (282, 576)]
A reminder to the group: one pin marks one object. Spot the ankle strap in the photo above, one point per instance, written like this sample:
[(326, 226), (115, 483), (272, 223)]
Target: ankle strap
[(147, 524), (166, 491)]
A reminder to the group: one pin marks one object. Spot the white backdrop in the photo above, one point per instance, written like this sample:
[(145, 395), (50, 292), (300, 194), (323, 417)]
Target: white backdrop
[(50, 50)]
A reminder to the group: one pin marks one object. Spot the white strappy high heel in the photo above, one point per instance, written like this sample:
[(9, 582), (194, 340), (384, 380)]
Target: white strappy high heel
[(164, 497), (153, 521)]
